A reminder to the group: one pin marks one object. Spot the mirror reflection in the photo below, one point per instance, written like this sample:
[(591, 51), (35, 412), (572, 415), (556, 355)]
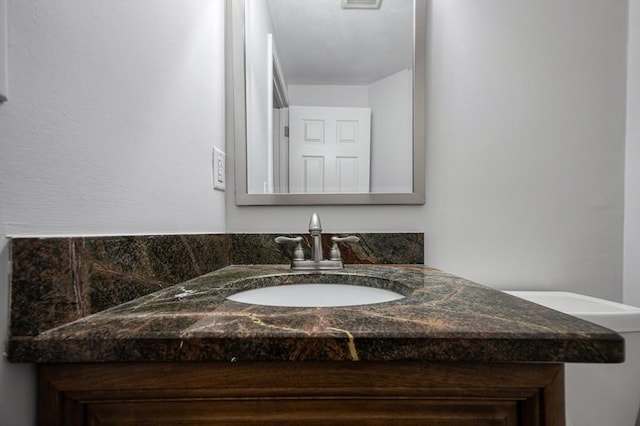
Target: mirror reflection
[(329, 96)]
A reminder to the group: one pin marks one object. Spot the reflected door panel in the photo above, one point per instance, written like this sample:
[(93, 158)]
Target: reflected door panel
[(329, 149)]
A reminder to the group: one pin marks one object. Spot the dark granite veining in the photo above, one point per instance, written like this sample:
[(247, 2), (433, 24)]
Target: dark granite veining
[(375, 248), (59, 280), (442, 318)]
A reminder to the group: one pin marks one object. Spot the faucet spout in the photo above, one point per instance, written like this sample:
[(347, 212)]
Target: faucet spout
[(315, 229), (314, 223)]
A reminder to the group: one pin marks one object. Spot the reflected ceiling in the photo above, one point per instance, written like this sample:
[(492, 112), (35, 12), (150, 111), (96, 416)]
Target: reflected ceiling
[(363, 45)]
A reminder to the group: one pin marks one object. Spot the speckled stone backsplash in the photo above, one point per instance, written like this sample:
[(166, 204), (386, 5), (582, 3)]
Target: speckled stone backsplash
[(260, 249), (59, 280)]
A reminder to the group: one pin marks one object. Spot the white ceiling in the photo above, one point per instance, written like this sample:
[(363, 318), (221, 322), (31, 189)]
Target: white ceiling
[(318, 42)]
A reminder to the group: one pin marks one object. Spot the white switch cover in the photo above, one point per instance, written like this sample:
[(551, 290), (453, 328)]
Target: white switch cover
[(218, 169)]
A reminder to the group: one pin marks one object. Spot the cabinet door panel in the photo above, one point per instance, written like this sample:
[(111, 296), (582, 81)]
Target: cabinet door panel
[(305, 412), (404, 393)]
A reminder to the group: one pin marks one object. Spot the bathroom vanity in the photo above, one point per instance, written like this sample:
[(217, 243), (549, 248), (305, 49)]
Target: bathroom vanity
[(450, 352)]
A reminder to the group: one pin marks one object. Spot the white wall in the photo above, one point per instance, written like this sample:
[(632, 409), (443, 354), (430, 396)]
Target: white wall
[(391, 133), (3, 50), (114, 110), (329, 95), (525, 149), (632, 166), (526, 143)]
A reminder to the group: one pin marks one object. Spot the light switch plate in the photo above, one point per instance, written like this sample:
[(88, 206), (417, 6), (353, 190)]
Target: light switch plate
[(219, 167)]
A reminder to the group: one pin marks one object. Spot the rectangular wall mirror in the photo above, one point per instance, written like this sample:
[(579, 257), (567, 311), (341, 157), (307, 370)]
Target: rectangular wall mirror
[(328, 101)]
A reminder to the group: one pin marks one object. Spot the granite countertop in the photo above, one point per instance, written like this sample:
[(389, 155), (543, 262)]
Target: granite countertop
[(441, 318)]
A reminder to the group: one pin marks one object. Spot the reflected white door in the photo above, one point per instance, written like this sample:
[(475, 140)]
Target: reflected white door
[(329, 149)]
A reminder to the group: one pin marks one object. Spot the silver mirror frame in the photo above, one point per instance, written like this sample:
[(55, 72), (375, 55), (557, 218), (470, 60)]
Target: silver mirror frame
[(236, 121)]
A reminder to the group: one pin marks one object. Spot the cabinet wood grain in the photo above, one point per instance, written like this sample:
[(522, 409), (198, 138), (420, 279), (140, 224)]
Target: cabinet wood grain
[(296, 393)]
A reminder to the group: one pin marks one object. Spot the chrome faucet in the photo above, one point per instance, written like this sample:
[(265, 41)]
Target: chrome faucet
[(315, 229), (317, 261)]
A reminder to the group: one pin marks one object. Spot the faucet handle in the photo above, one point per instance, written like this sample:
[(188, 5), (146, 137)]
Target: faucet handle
[(335, 254), (298, 254)]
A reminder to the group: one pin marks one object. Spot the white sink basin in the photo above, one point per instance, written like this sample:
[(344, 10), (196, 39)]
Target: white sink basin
[(315, 295)]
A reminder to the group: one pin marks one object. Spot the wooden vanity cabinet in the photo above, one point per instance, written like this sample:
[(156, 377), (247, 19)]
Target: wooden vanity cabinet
[(301, 393)]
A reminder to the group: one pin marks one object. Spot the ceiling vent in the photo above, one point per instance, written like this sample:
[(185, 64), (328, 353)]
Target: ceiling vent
[(361, 4)]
